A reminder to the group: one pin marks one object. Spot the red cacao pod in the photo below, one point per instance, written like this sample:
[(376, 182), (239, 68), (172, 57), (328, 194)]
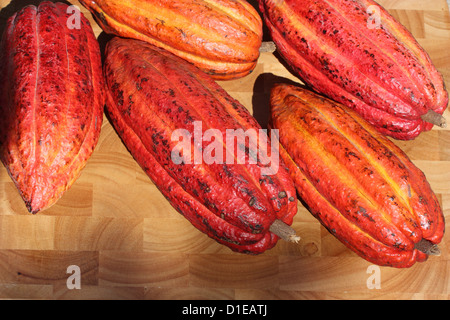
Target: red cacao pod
[(153, 94), (51, 101), (377, 69), (355, 181), (221, 37)]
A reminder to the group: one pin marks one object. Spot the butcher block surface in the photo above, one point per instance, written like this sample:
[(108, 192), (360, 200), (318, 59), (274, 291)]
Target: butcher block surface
[(129, 243)]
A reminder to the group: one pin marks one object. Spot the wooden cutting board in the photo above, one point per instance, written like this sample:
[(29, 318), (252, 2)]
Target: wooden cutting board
[(129, 243)]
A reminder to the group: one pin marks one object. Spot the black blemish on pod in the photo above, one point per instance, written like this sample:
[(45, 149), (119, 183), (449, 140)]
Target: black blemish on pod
[(282, 195)]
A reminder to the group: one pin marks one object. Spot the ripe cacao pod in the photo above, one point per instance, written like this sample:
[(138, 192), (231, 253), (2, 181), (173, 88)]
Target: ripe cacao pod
[(51, 101), (355, 181), (221, 37), (154, 99), (374, 66)]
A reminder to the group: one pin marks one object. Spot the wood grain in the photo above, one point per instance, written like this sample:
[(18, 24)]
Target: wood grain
[(131, 244)]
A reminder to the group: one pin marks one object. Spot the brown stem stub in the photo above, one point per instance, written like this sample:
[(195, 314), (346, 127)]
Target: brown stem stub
[(428, 247), (284, 231), (268, 46), (435, 118)]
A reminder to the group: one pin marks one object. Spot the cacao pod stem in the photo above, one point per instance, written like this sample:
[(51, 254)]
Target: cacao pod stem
[(428, 247), (268, 46), (284, 231), (434, 118)]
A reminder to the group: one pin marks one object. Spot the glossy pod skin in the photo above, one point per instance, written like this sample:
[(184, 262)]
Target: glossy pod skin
[(356, 53), (354, 180), (221, 37), (51, 101), (152, 95)]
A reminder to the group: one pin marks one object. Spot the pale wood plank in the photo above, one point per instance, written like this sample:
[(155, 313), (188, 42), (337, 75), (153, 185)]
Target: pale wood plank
[(27, 232), (233, 271), (95, 292), (46, 267), (98, 233), (352, 275), (26, 291), (189, 293), (139, 269)]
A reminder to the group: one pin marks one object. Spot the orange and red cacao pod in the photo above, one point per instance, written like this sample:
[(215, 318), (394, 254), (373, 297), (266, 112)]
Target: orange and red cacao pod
[(356, 53), (51, 101), (221, 37), (158, 102), (355, 181)]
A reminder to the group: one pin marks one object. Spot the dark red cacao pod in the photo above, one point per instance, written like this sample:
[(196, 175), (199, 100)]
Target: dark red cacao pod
[(51, 100), (355, 181), (369, 63), (151, 94)]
